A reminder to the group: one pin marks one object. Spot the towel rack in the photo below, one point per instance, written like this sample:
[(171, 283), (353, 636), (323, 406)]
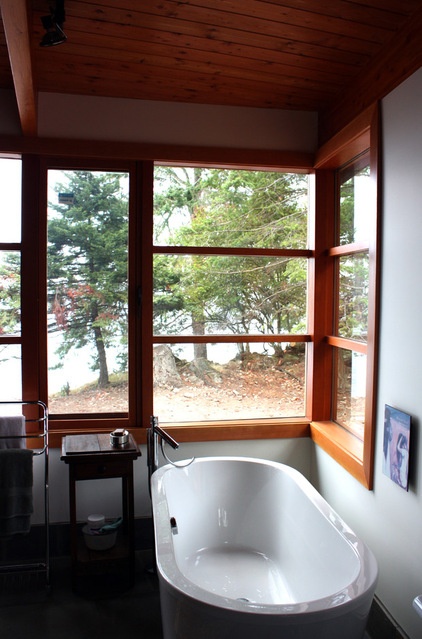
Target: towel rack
[(40, 442)]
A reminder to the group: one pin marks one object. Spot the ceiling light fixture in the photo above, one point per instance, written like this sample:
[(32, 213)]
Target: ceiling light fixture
[(53, 25)]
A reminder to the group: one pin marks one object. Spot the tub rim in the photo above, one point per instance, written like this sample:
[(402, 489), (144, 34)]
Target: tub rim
[(351, 596)]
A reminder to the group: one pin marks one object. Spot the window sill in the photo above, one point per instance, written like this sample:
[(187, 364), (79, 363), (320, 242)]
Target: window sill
[(204, 431), (343, 447)]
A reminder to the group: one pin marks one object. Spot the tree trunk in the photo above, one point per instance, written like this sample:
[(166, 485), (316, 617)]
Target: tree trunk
[(198, 326), (103, 379)]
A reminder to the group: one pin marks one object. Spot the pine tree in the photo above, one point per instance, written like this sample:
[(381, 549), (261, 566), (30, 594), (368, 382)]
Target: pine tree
[(87, 266)]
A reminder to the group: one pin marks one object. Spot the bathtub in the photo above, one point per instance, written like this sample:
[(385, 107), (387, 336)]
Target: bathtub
[(247, 548)]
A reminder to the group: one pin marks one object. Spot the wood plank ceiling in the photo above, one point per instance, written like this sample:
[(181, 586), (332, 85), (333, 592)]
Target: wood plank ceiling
[(285, 54)]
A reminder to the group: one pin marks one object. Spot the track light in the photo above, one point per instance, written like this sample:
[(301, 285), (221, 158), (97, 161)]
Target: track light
[(53, 26)]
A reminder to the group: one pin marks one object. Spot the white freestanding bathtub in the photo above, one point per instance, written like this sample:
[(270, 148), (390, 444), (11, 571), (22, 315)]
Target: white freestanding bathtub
[(247, 548)]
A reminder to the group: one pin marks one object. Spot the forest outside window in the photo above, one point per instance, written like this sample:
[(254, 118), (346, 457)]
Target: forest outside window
[(227, 254), (87, 291), (230, 294), (353, 217)]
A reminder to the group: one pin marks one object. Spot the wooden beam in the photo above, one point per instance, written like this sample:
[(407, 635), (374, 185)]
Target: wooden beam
[(395, 62), (14, 14)]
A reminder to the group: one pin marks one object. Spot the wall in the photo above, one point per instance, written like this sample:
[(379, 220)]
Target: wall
[(105, 496), (389, 519), (126, 120)]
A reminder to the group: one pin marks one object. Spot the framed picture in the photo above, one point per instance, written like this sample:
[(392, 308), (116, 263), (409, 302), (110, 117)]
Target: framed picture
[(396, 446)]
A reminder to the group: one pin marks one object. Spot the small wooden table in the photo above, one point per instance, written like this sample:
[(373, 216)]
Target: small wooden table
[(93, 457)]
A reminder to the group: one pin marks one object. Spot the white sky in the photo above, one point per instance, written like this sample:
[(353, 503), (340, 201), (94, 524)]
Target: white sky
[(10, 200)]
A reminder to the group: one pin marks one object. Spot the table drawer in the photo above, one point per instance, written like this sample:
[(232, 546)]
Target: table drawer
[(101, 469)]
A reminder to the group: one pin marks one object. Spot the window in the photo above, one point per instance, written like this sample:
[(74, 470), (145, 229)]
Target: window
[(230, 294), (87, 291), (345, 337), (10, 279), (351, 269), (196, 279)]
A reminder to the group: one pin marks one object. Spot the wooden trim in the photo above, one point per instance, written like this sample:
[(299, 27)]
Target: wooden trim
[(394, 63), (320, 300), (160, 153), (228, 339), (210, 250), (6, 339), (348, 143), (348, 344), (133, 283), (291, 428), (32, 264), (342, 446), (374, 300), (10, 246), (145, 302), (348, 249), (15, 23)]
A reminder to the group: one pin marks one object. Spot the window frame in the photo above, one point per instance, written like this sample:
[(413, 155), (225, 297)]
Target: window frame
[(34, 290), (355, 455)]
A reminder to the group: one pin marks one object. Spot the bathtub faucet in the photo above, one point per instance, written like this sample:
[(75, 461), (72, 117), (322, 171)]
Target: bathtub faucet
[(155, 436), (159, 432)]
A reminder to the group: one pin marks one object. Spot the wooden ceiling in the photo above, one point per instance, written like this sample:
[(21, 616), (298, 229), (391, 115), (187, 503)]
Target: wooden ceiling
[(286, 54)]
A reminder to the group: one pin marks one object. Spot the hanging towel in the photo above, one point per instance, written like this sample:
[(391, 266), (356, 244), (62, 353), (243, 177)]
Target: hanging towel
[(16, 501), (12, 425)]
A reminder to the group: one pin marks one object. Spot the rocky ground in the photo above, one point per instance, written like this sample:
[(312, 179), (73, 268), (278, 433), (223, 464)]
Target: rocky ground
[(239, 390)]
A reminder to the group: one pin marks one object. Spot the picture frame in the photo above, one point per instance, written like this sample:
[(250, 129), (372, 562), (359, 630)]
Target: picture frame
[(396, 448)]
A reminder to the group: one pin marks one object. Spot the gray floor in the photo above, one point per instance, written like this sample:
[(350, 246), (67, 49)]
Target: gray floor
[(28, 611)]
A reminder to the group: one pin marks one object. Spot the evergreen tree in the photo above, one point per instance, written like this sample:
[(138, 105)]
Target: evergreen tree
[(10, 305), (87, 266)]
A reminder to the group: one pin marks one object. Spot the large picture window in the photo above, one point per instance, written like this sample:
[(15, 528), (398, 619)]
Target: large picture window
[(235, 291), (233, 302)]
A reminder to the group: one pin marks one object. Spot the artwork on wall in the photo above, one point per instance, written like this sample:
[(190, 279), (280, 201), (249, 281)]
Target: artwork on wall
[(396, 446)]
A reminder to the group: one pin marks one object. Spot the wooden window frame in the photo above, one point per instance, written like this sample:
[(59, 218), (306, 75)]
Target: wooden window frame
[(354, 454)]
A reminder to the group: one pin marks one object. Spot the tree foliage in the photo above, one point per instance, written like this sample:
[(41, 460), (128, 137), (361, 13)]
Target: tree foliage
[(87, 266), (10, 282), (353, 270), (230, 209)]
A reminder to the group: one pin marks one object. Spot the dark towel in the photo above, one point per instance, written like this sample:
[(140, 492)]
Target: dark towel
[(12, 425), (16, 501)]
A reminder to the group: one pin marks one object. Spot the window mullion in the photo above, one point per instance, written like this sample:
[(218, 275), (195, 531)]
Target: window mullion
[(321, 300)]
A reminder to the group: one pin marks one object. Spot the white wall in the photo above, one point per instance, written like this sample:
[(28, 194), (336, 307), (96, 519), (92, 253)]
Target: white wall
[(95, 118), (105, 495), (389, 519)]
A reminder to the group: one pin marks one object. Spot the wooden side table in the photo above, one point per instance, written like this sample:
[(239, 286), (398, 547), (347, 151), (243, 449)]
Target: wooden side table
[(93, 457)]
